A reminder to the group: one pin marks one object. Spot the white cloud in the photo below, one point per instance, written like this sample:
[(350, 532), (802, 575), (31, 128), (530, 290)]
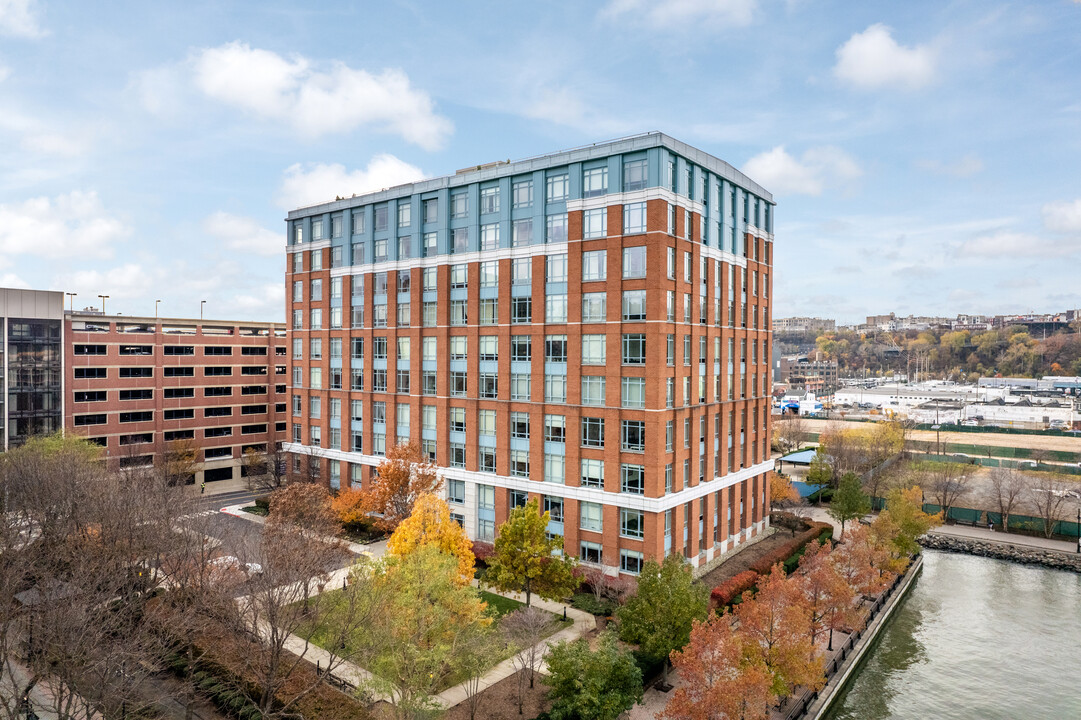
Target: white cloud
[(318, 183), (72, 225), (1063, 217), (318, 102), (964, 167), (266, 300), (17, 19), (689, 15), (5, 72), (873, 59), (243, 234), (783, 174), (11, 280), (122, 283), (1007, 244)]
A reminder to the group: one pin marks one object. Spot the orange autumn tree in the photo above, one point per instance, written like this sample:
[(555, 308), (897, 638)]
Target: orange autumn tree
[(430, 525), (777, 627), (830, 598), (720, 680), (862, 563), (404, 476), (781, 491), (348, 505)]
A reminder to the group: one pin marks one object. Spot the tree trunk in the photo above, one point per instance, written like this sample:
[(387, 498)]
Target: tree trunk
[(528, 594)]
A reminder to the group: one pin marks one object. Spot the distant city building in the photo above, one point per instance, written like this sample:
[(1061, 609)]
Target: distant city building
[(806, 373), (134, 385), (590, 328), (32, 322), (803, 325)]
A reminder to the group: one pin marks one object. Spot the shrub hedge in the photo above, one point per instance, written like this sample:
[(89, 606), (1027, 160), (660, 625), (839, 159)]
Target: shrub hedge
[(732, 588), (787, 553)]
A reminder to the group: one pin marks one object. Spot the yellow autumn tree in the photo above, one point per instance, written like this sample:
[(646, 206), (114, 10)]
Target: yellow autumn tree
[(430, 525)]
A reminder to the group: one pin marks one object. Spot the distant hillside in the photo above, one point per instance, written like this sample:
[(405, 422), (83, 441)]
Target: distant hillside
[(956, 355)]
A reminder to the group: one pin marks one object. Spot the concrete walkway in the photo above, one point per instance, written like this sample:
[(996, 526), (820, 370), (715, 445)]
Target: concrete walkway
[(985, 535), (583, 623), (357, 676)]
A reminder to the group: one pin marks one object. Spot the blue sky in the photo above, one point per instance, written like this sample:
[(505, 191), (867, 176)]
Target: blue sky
[(924, 155)]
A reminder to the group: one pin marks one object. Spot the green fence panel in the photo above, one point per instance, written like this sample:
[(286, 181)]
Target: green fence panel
[(965, 515)]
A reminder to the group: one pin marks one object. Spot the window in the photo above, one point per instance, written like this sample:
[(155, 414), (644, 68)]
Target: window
[(591, 516), (632, 479), (459, 205), (178, 350), (459, 276), (592, 473), (595, 182), (317, 231), (458, 312), (556, 268), (380, 218), (431, 210), (555, 428), (458, 385), (634, 305), (634, 349), (634, 175), (136, 349), (519, 463), (522, 271), (489, 200), (489, 236), (98, 419), (521, 348), (593, 432), (459, 240), (489, 347), (405, 214), (555, 469), (489, 385), (522, 193), (671, 263), (459, 347), (555, 228), (688, 264), (456, 492), (555, 348), (90, 349), (593, 307), (631, 523), (457, 419), (380, 250), (634, 262), (99, 395), (593, 349), (631, 561), (520, 386), (634, 218), (557, 187), (145, 372), (593, 390), (633, 435), (590, 552), (595, 223), (555, 388), (519, 425), (555, 308), (633, 392), (594, 265), (489, 311)]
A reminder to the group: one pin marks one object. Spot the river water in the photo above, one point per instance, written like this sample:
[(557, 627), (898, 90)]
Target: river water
[(975, 638)]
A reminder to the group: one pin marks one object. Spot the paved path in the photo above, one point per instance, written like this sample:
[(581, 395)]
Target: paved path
[(981, 533), (371, 550)]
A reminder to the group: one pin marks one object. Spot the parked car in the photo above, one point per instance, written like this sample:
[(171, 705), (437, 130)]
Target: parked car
[(970, 423)]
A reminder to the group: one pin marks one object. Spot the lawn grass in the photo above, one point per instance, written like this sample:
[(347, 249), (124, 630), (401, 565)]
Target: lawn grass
[(255, 510), (498, 607)]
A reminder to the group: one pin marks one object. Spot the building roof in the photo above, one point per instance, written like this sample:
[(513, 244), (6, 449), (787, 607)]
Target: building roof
[(490, 171)]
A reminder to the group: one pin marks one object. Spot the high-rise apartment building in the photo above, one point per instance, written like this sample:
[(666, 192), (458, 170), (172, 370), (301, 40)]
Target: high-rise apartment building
[(136, 385), (590, 327)]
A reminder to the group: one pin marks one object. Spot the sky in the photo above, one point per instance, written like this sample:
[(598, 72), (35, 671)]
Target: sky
[(925, 156)]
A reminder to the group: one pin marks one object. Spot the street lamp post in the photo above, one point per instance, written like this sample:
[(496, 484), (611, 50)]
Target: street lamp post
[(201, 304), (71, 301), (156, 303), (103, 299)]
